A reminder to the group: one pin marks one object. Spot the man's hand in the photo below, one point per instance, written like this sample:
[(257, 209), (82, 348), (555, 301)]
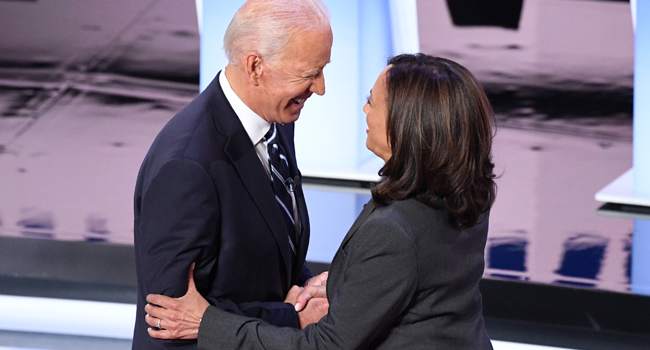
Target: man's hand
[(318, 280), (315, 310)]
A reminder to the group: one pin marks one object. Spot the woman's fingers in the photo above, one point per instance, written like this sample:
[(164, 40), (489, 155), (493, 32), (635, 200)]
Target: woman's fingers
[(152, 320), (162, 300), (318, 280), (156, 312), (309, 292), (176, 318), (168, 325), (171, 334), (293, 293)]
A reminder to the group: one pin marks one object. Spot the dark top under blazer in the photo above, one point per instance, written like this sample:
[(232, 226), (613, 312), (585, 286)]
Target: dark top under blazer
[(203, 196), (403, 278)]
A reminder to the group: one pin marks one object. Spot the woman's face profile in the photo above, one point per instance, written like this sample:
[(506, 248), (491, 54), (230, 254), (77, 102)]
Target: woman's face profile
[(376, 110)]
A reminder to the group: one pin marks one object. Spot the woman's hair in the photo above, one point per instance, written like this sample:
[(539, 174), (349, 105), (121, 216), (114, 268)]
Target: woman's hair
[(266, 26), (439, 129)]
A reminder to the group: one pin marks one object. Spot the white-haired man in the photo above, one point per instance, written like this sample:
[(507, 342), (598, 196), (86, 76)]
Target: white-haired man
[(220, 187)]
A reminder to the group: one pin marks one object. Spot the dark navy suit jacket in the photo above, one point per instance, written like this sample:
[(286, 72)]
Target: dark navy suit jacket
[(203, 196)]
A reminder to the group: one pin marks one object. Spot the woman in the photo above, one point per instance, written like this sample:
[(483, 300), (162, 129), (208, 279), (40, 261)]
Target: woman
[(406, 275)]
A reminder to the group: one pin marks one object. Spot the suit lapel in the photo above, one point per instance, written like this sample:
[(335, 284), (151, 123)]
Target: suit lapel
[(286, 139), (301, 249), (241, 152)]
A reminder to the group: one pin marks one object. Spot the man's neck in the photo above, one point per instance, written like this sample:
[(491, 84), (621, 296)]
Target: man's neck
[(238, 82)]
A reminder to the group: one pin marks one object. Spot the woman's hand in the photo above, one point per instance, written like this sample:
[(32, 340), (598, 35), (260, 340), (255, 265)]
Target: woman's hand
[(315, 287), (177, 318), (310, 302), (318, 280), (308, 293)]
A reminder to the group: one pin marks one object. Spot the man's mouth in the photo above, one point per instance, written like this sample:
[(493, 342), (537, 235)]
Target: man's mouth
[(299, 101)]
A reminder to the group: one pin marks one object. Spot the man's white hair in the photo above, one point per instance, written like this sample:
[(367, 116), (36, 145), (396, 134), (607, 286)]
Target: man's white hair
[(267, 26)]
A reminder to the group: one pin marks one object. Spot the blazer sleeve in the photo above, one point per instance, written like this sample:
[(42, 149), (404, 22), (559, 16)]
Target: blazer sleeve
[(379, 282), (178, 226)]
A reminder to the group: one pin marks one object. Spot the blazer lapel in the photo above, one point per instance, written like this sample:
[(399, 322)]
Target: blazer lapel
[(241, 152), (368, 209)]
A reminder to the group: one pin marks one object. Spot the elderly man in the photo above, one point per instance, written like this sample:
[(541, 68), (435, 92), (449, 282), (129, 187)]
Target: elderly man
[(220, 187)]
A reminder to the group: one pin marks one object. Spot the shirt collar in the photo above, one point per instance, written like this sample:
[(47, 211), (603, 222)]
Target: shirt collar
[(255, 126)]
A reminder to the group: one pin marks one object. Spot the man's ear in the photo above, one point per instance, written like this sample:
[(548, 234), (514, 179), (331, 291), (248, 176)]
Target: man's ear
[(254, 67)]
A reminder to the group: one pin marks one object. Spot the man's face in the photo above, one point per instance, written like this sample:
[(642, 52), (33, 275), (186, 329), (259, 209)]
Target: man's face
[(294, 77)]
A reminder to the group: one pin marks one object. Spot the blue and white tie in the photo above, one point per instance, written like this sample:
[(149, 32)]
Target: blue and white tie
[(282, 181)]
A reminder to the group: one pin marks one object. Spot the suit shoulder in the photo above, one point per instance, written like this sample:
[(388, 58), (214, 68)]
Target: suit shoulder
[(189, 134)]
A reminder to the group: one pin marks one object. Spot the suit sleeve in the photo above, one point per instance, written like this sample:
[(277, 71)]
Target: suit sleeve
[(305, 274), (178, 217), (179, 225), (379, 283)]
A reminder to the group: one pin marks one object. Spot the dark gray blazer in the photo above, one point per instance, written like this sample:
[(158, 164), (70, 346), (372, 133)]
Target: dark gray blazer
[(403, 278)]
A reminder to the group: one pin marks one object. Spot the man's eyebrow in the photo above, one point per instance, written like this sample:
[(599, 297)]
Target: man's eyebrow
[(312, 74), (316, 72)]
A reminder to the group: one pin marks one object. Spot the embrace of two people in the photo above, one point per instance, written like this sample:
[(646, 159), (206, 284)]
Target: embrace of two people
[(219, 199)]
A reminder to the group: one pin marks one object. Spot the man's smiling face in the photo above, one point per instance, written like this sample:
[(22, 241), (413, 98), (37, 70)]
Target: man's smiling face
[(287, 84)]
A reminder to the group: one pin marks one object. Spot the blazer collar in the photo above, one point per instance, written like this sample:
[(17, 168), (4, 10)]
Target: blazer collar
[(368, 209)]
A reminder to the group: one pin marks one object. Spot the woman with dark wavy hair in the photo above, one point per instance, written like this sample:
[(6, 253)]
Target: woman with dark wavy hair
[(406, 275)]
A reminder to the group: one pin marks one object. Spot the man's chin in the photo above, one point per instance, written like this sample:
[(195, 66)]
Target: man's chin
[(290, 117)]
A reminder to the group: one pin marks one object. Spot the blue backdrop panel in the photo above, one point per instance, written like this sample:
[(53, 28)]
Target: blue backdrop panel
[(640, 274), (640, 282), (642, 99)]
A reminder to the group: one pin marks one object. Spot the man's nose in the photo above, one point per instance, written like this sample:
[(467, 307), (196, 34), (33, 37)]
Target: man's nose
[(318, 85)]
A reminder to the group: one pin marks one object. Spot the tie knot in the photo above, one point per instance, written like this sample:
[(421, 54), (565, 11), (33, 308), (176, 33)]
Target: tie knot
[(271, 134)]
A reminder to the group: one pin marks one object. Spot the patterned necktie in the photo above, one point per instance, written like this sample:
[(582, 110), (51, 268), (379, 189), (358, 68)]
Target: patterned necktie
[(282, 181)]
